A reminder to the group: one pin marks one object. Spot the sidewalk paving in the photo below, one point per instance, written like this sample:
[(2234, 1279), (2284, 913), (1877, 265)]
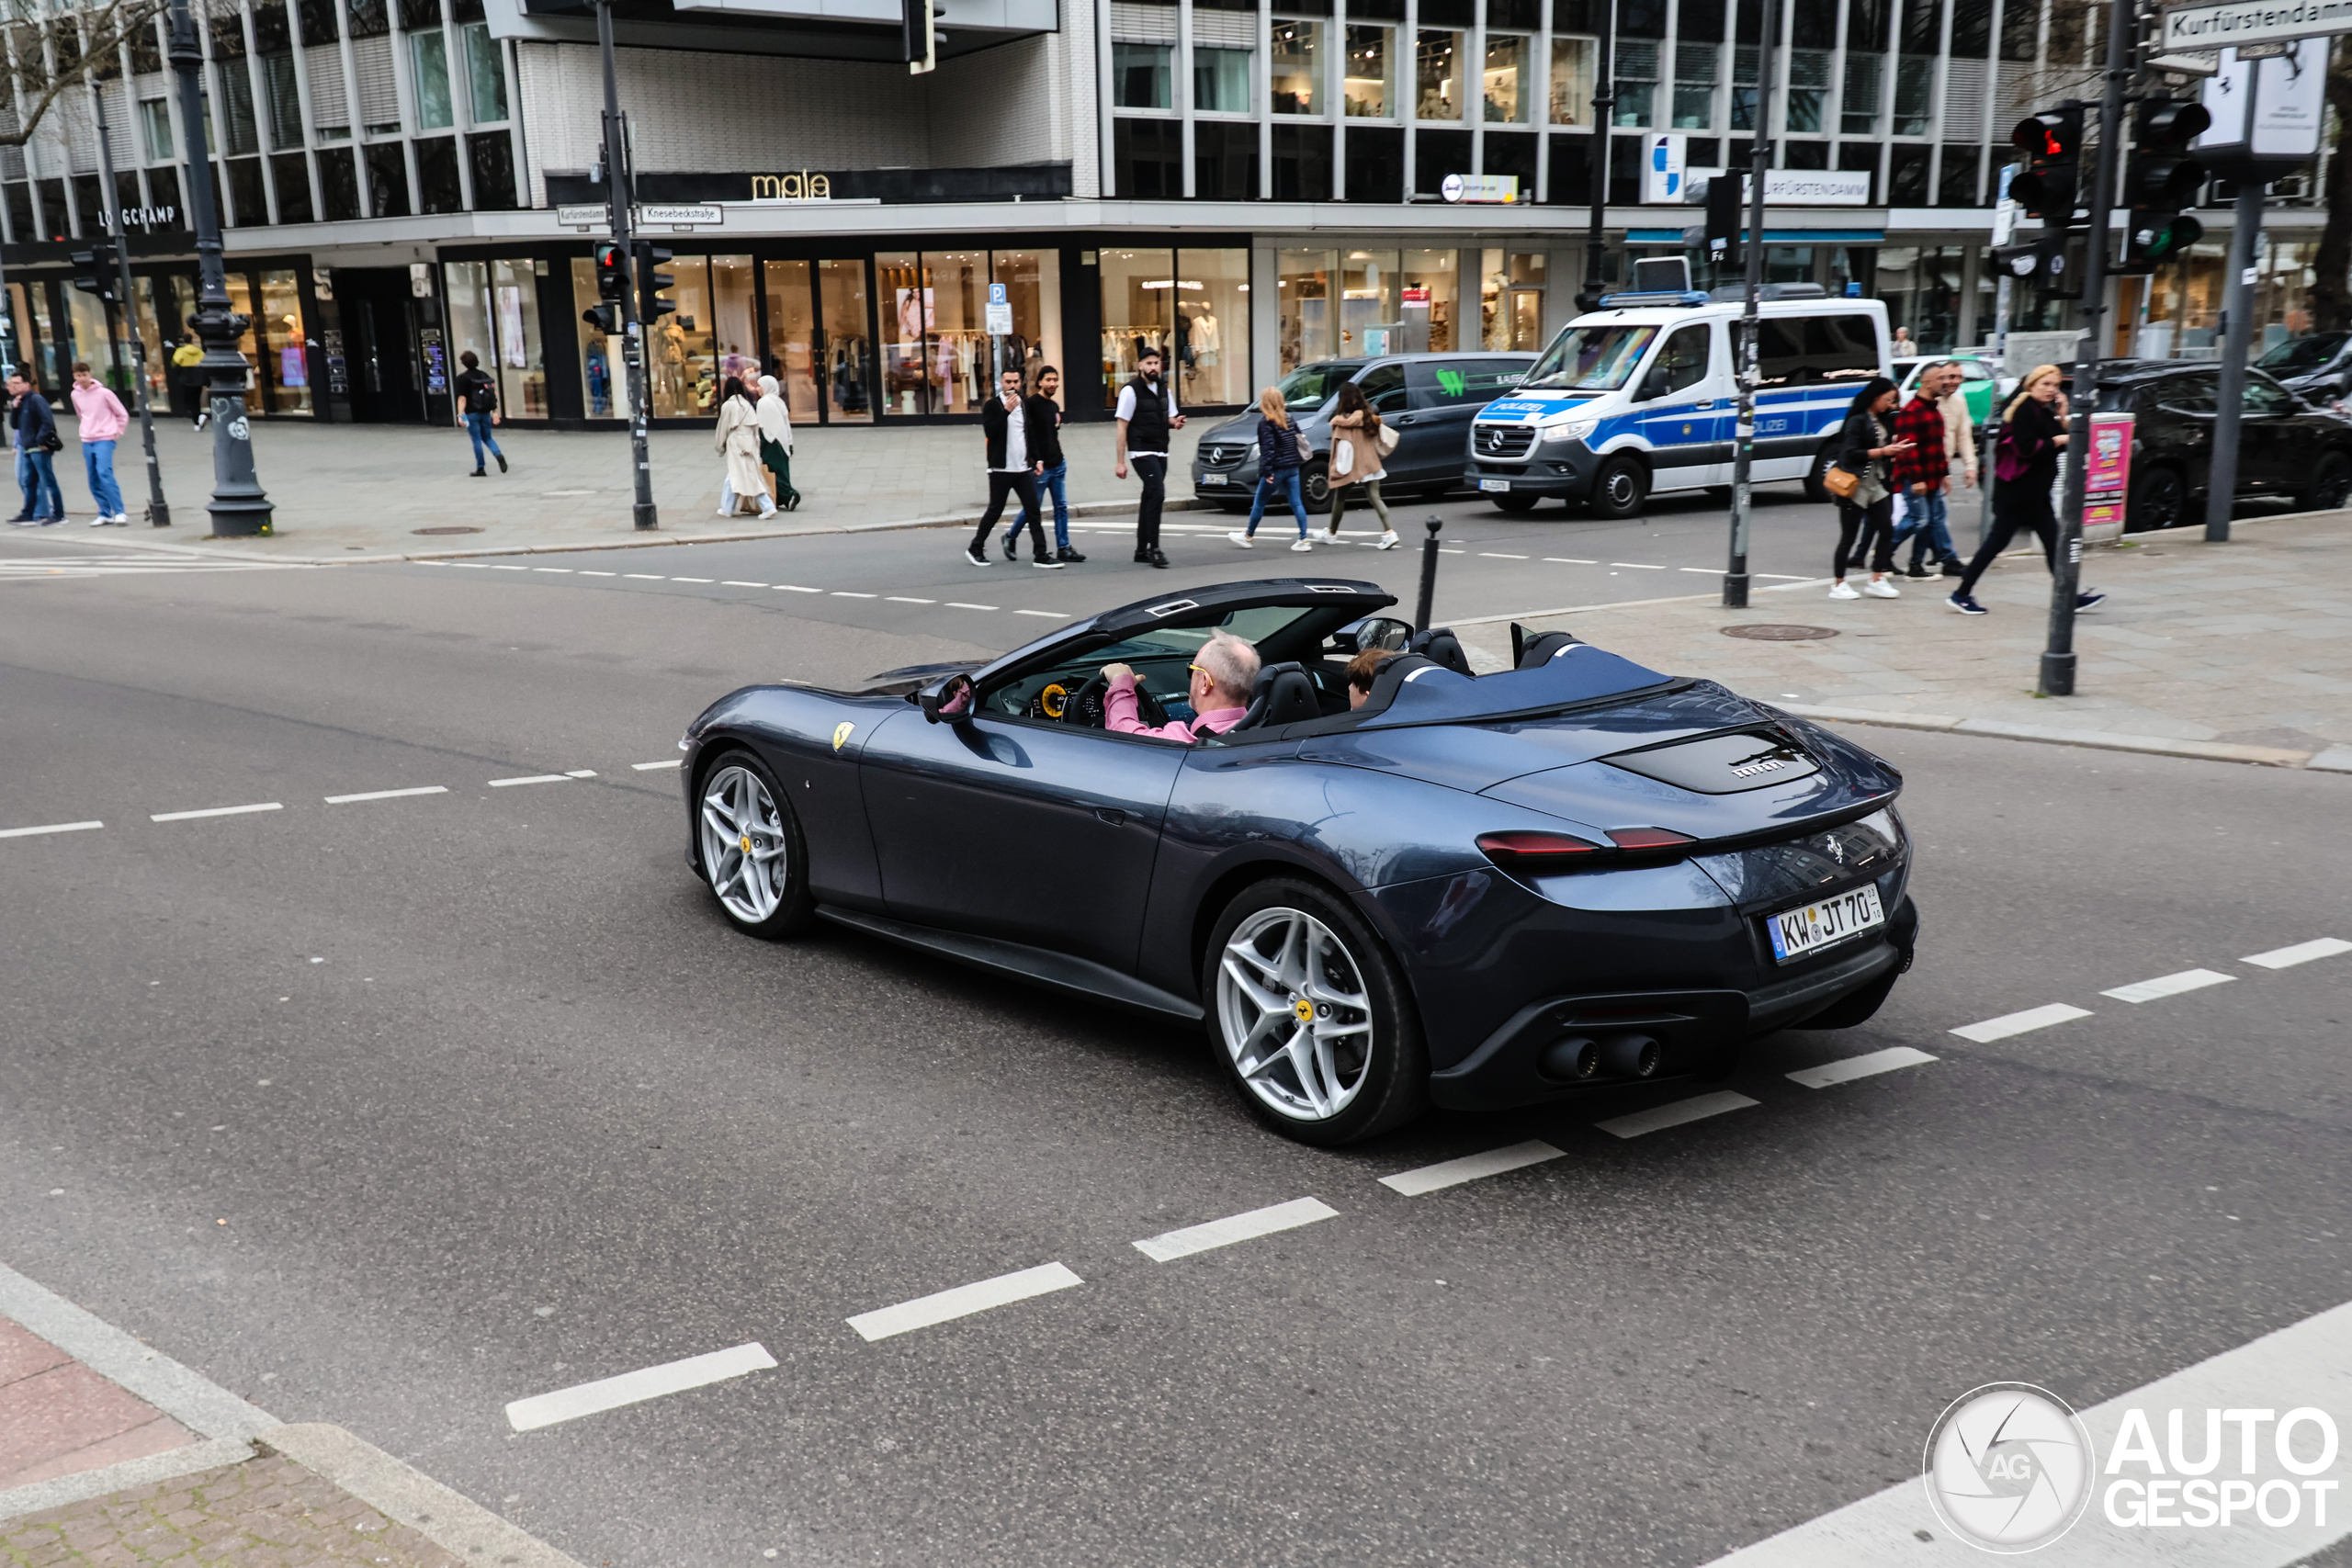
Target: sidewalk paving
[(112, 1455), (2240, 651), (364, 492)]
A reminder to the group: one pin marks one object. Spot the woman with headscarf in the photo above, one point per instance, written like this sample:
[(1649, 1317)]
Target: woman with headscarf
[(775, 441), (738, 439)]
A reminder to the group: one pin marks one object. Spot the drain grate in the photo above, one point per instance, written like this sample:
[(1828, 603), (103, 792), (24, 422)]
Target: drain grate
[(1764, 631), (449, 528)]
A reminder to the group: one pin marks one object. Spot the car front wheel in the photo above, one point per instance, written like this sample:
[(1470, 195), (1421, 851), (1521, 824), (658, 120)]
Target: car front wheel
[(1314, 480), (1620, 488), (2159, 500), (1310, 1017), (749, 846), (1516, 502), (2331, 483)]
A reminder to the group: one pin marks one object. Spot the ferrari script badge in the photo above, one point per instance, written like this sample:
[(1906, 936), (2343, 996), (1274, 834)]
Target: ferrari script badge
[(840, 734)]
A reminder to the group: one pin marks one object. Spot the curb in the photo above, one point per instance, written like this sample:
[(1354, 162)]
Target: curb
[(450, 1520), (2334, 760)]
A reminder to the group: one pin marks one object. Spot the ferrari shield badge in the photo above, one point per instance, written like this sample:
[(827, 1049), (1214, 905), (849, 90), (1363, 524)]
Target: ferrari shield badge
[(841, 734)]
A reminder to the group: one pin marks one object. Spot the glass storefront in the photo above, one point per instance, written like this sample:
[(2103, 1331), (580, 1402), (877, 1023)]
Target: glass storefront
[(938, 355), (735, 339), (1921, 285), (1510, 294), (88, 322), (1212, 327), (1135, 315), (792, 336), (846, 351), (1309, 328), (1429, 302), (604, 376), (289, 344), (1367, 300)]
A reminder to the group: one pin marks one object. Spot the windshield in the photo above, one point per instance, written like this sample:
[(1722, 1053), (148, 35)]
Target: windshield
[(1309, 387), (2299, 354), (1591, 359)]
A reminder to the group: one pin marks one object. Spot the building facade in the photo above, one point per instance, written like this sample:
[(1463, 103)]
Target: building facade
[(1247, 185)]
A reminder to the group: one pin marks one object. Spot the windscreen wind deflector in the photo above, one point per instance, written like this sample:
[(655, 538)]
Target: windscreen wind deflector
[(1721, 764)]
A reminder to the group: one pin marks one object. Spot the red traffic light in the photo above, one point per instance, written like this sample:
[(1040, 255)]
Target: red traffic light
[(2051, 134), (2168, 126)]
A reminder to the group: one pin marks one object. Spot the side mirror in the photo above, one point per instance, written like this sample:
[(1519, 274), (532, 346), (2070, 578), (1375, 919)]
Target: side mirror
[(947, 700), (1653, 385)]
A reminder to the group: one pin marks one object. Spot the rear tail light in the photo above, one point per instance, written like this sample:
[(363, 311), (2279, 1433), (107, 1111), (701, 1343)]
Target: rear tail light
[(1649, 839), (1534, 853)]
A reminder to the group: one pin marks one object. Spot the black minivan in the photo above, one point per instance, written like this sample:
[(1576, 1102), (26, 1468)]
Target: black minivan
[(1429, 399)]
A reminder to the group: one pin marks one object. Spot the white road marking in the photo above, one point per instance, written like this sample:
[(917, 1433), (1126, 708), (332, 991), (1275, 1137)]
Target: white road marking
[(2301, 952), (51, 827), (963, 1300), (954, 606), (1569, 561), (2168, 985), (1853, 1067), (1495, 555), (1702, 571), (580, 773), (388, 793), (438, 563), (477, 565), (1780, 577), (730, 582), (690, 580), (215, 811), (2024, 1022), (635, 1388), (644, 577), (902, 598), (495, 567), (796, 588), (531, 778), (649, 767), (585, 572), (1049, 615), (564, 569), (2307, 1363), (1659, 1117), (843, 594), (1637, 564), (1469, 1168), (1236, 1227)]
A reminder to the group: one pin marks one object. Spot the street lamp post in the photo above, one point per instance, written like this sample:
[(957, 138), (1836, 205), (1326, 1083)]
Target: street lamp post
[(1604, 100), (158, 513), (1742, 450), (238, 506), (620, 188)]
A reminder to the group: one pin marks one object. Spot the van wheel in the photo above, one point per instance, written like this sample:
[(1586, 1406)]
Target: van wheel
[(1620, 488), (1515, 503), (1815, 490), (1315, 483)]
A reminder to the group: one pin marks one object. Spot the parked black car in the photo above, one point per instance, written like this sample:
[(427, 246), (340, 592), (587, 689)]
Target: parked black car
[(2316, 367), (2286, 448), (1430, 398)]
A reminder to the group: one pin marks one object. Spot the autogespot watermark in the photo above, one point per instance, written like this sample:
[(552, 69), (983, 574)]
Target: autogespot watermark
[(2010, 1469)]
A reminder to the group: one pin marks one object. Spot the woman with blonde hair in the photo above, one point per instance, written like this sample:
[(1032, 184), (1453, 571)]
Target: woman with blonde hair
[(2025, 466), (1278, 464)]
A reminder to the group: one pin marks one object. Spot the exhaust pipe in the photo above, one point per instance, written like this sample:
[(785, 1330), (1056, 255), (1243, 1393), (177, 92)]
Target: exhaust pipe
[(1631, 1056), (1576, 1057)]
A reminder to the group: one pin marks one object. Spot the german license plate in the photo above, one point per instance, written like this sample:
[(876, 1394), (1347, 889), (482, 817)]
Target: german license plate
[(1796, 932), (1213, 479), (1494, 484)]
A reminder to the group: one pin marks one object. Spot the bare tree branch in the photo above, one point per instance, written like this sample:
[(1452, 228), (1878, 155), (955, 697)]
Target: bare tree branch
[(90, 52)]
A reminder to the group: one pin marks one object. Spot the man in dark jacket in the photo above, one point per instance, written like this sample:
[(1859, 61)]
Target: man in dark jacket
[(1045, 446), (1147, 413), (36, 434), (1008, 429), (477, 395)]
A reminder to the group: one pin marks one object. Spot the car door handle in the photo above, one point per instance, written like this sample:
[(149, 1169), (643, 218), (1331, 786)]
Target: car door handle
[(1402, 418), (1112, 815)]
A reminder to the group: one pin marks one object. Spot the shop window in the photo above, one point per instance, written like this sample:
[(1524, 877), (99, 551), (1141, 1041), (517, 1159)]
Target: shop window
[(1033, 286), (155, 130), (1147, 158), (292, 177), (1212, 328), (21, 226), (1225, 161), (953, 346), (1437, 154), (733, 318), (1309, 323), (603, 377), (1805, 155), (1368, 89), (34, 345), (1140, 75), (164, 193), (1429, 302), (89, 205), (436, 175), (1302, 162), (1220, 80), (493, 155), (1368, 284), (1915, 89), (1572, 60), (1956, 183), (1694, 85), (1808, 90), (428, 76), (240, 303), (465, 291), (485, 75), (938, 356), (245, 194), (289, 343), (152, 340), (1513, 152), (1743, 87), (1441, 67), (791, 350), (338, 185), (1636, 83), (53, 210), (1375, 162), (846, 349), (1138, 312), (1510, 299), (679, 357), (387, 181), (1505, 79), (1523, 16), (1907, 179), (1294, 68)]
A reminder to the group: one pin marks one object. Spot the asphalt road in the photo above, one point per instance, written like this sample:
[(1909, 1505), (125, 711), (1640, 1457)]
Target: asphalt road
[(388, 1112)]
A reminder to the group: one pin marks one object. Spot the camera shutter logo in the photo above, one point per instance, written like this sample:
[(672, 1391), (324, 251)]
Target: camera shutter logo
[(2009, 1468)]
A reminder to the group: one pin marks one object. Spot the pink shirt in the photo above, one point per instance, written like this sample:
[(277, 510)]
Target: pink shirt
[(1119, 713), (101, 412)]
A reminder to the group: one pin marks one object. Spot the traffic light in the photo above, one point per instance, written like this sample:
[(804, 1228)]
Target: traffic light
[(650, 305), (1723, 192), (2052, 144), (2160, 180), (94, 270), (919, 34), (605, 319), (612, 271)]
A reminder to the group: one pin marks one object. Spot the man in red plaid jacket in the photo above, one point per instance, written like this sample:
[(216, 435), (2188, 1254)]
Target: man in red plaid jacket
[(1923, 474)]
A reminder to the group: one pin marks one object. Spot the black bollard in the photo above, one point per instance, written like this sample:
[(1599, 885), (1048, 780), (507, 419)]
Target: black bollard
[(1429, 575)]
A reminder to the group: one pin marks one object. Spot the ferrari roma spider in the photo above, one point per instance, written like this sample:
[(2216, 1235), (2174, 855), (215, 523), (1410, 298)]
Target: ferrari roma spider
[(1475, 891)]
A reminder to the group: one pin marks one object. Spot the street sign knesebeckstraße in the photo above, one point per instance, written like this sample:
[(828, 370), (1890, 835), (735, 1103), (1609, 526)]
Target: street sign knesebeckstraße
[(652, 214), (1791, 187), (2225, 22)]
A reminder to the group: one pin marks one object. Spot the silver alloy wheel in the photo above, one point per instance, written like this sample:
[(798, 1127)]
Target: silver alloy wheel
[(1293, 1014), (743, 844)]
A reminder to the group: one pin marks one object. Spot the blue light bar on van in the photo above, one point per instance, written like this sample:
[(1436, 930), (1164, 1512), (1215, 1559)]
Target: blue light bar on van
[(1662, 296)]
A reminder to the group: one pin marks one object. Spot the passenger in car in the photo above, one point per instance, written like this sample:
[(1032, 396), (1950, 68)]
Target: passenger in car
[(1362, 670), (1224, 673)]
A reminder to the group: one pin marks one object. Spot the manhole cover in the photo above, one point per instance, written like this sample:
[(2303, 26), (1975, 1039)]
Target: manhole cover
[(1767, 632), (450, 528)]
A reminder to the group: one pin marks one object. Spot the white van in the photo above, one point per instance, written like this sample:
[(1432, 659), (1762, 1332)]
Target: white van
[(1641, 395)]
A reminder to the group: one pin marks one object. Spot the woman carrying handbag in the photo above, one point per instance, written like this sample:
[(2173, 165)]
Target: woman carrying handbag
[(1281, 448), (1358, 440), (2025, 468), (1863, 482)]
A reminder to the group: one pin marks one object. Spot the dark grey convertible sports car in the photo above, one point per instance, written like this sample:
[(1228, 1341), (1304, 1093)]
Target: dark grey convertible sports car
[(1477, 891)]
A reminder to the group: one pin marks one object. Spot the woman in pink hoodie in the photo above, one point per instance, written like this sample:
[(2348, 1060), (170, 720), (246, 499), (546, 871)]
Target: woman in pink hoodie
[(103, 421)]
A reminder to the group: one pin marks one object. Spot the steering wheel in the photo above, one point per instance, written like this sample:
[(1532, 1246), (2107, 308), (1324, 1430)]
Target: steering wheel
[(1085, 706)]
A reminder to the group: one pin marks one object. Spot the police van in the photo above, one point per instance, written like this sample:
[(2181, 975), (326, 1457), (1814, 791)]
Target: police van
[(1642, 395)]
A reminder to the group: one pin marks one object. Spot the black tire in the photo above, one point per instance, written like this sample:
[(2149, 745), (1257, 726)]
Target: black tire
[(1815, 490), (766, 827), (1719, 494), (2159, 499), (1514, 502), (1384, 1070), (1619, 487), (2331, 483), (1315, 483)]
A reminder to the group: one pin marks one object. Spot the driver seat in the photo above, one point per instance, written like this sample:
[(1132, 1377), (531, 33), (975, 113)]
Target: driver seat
[(1439, 646), (1284, 695)]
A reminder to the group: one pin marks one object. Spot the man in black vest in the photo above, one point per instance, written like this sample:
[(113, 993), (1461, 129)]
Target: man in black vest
[(1147, 413), (1008, 428)]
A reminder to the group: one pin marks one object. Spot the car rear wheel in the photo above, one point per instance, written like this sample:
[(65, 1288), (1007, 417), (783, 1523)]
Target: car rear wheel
[(1515, 503), (2160, 499), (1309, 1016), (2331, 483), (750, 849), (1620, 488)]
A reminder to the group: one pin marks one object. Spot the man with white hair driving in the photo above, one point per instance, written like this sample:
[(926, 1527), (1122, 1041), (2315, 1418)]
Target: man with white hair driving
[(1224, 674)]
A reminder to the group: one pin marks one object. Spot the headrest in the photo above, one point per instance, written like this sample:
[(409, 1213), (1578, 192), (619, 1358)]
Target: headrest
[(1390, 677), (1438, 645), (1284, 695), (1541, 650)]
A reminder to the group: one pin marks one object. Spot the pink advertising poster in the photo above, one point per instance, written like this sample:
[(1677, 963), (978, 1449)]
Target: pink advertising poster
[(2106, 477)]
